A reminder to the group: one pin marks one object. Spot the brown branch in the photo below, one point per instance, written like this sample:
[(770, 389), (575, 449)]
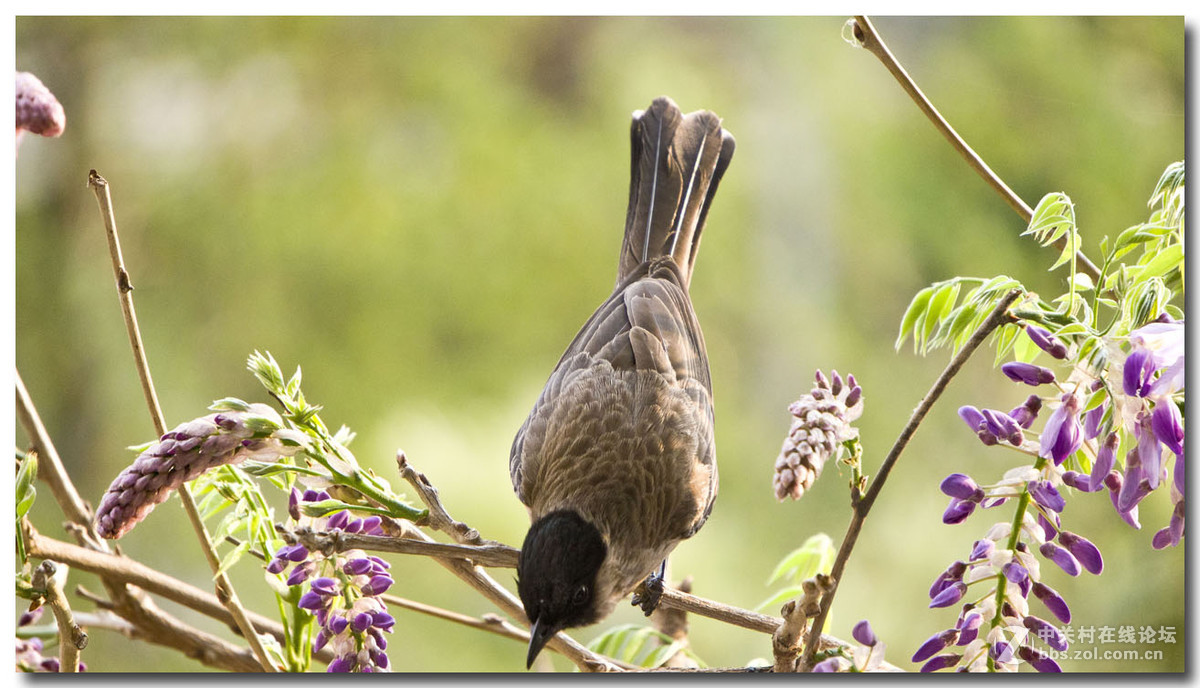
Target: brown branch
[(494, 555), (225, 590), (119, 570), (71, 638), (868, 38), (862, 506), (436, 516)]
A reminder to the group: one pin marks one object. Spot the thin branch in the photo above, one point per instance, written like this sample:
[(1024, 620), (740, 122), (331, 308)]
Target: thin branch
[(225, 590), (153, 625), (436, 516), (494, 555), (868, 37), (71, 638), (104, 620), (862, 506)]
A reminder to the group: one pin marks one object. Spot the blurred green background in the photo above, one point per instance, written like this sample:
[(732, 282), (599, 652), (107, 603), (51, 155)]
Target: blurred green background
[(422, 211)]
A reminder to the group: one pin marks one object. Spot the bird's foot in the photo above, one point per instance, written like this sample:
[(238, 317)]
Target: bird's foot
[(647, 594)]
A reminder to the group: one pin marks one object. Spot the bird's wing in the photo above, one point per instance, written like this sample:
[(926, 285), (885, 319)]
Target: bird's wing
[(647, 324)]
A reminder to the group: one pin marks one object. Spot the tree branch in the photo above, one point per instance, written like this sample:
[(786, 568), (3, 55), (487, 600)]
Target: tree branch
[(868, 38), (225, 590), (861, 507), (71, 638)]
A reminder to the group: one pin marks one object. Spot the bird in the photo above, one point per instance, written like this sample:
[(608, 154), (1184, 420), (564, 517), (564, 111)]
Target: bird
[(616, 461)]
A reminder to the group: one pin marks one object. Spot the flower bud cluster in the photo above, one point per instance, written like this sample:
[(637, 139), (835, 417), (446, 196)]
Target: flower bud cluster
[(820, 424), (342, 589), (228, 437)]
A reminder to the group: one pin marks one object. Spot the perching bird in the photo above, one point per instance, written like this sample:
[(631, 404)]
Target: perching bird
[(616, 461)]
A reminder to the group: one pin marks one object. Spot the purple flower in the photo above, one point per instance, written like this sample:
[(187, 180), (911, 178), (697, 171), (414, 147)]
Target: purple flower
[(974, 419), (827, 666), (952, 574), (1083, 550), (1046, 495), (957, 511), (1137, 371), (948, 596), (982, 549), (962, 487), (294, 504), (1017, 575), (1065, 560), (1167, 425), (934, 645), (862, 633), (1173, 533), (1046, 632), (1026, 413), (1105, 458), (1063, 434), (1049, 528), (968, 627), (941, 662), (1028, 373), (1053, 601), (1091, 422), (1114, 482), (1046, 342), (1001, 651), (1003, 426), (1135, 486), (1039, 660)]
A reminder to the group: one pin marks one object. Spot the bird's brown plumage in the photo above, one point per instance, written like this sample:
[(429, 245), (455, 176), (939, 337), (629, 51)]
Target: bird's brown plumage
[(622, 433)]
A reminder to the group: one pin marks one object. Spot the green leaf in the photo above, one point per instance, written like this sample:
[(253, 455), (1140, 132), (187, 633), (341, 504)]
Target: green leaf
[(25, 491), (1097, 398), (1163, 262), (813, 557), (232, 557), (939, 307), (773, 602), (229, 404), (1069, 249), (916, 309)]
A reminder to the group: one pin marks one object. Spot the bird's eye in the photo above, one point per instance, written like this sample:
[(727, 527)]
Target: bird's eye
[(581, 595)]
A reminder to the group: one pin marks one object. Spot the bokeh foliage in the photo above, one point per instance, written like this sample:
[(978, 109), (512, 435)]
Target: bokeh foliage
[(422, 211)]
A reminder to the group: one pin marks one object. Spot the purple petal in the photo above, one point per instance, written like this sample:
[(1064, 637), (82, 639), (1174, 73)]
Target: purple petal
[(1046, 495), (862, 633), (1046, 342), (957, 511), (950, 595), (311, 601), (941, 662), (1046, 632), (934, 645), (1028, 373), (827, 666), (299, 575), (1053, 601), (357, 566), (1091, 422), (1039, 660), (961, 486), (338, 520), (1135, 486), (1167, 424), (1138, 368), (1105, 458), (361, 622), (982, 549), (340, 665), (294, 504), (1083, 550), (337, 623), (1065, 560)]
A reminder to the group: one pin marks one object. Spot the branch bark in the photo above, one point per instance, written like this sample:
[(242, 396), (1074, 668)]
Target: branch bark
[(861, 507)]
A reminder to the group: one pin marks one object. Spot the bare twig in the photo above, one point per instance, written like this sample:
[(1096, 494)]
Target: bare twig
[(495, 555), (868, 37), (71, 638), (104, 620), (673, 623), (225, 590), (862, 506), (436, 516)]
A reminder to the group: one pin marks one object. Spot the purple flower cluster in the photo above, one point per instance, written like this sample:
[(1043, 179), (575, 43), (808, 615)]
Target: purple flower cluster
[(185, 453), (343, 589), (820, 424)]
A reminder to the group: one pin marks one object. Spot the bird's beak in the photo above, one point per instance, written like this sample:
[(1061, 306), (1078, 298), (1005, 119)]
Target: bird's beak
[(539, 634)]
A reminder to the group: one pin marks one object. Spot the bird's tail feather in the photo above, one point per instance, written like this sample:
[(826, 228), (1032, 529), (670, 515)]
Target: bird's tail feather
[(677, 163)]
